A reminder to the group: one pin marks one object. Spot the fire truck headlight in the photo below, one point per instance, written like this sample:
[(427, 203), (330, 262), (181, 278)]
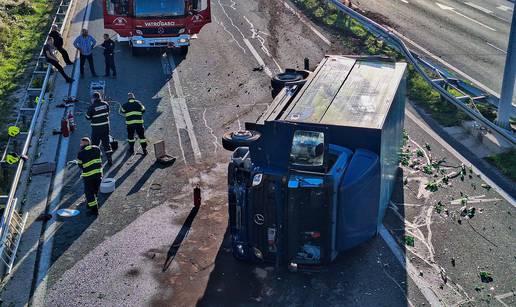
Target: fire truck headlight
[(257, 179), (258, 253), (183, 40), (139, 32), (182, 30), (139, 42)]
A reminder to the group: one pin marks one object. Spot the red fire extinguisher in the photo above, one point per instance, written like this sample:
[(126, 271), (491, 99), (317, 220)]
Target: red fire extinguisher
[(71, 121), (65, 127), (197, 196)]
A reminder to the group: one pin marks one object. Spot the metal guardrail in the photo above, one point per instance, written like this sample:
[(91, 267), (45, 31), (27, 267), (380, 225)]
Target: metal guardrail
[(12, 223), (439, 84)]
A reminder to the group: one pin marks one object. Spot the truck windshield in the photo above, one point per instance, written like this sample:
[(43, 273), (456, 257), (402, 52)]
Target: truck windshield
[(159, 8), (307, 148)]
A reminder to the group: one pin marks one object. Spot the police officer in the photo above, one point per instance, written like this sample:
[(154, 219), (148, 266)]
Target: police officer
[(98, 115), (90, 163), (109, 55), (133, 111)]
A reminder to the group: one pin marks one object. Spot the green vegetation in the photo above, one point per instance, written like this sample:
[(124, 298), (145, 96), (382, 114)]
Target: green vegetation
[(505, 162), (23, 25)]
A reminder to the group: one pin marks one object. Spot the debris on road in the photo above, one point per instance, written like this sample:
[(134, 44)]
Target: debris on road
[(432, 186), (260, 68), (486, 186), (439, 207), (469, 212), (485, 277), (409, 240)]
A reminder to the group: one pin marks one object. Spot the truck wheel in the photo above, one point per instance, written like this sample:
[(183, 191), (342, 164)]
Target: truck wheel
[(233, 140), (289, 77)]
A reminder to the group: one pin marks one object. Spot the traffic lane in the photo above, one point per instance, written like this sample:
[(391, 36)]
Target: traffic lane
[(499, 8), (450, 250), (452, 39), (77, 236)]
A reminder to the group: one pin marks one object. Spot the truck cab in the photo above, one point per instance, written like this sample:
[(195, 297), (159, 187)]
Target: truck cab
[(313, 176)]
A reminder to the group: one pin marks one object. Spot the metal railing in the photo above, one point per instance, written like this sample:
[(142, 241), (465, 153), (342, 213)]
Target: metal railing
[(439, 84), (12, 223)]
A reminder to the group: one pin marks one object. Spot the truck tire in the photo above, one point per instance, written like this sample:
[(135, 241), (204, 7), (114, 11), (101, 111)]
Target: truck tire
[(233, 140), (289, 77)]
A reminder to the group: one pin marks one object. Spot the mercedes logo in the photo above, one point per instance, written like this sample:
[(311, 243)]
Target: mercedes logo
[(161, 30), (259, 219)]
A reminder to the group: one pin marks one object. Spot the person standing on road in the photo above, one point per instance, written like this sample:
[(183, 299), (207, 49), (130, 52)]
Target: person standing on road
[(58, 43), (133, 111), (85, 44), (90, 162), (49, 53), (109, 55), (98, 115)]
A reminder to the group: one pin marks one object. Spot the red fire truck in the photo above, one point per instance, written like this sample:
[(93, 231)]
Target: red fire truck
[(156, 23)]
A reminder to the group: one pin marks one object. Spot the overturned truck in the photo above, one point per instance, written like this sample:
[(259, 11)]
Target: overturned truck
[(314, 175)]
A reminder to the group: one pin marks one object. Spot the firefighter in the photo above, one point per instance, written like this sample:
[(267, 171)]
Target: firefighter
[(90, 162), (98, 115), (133, 111)]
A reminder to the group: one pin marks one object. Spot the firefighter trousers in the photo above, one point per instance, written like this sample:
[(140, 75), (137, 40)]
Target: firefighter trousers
[(91, 190), (139, 130), (100, 134)]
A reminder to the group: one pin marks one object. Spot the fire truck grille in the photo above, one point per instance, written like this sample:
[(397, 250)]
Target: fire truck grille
[(160, 31)]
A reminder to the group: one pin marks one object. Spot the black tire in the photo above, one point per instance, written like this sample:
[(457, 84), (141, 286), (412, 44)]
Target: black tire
[(233, 140), (289, 77)]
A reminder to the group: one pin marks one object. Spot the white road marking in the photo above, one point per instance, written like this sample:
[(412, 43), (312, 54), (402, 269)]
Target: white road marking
[(460, 157), (423, 286), (505, 8), (247, 43), (45, 258), (404, 1), (256, 35), (499, 49), (478, 7), (443, 62), (180, 110), (307, 23), (449, 8), (215, 139)]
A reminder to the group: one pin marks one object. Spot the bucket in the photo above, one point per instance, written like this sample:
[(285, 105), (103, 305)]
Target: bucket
[(107, 185)]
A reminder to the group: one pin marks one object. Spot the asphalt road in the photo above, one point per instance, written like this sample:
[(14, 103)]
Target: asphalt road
[(148, 247), (471, 35)]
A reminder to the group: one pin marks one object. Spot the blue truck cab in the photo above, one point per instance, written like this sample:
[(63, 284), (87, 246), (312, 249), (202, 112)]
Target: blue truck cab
[(314, 175)]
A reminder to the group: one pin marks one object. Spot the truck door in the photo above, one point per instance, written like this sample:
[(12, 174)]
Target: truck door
[(116, 16), (309, 203), (200, 15)]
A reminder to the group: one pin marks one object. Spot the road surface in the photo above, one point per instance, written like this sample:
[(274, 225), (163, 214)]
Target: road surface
[(148, 247), (471, 35)]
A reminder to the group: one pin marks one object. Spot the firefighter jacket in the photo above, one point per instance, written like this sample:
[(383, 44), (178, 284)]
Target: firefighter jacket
[(89, 160), (133, 111), (98, 114)]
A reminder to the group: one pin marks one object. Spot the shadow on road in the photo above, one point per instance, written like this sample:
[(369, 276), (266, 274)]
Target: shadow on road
[(171, 254)]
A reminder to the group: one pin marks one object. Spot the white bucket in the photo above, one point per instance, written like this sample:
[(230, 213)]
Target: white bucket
[(107, 185)]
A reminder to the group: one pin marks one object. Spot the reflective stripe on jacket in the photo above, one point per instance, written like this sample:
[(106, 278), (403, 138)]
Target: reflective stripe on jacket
[(89, 160), (133, 111), (98, 113)]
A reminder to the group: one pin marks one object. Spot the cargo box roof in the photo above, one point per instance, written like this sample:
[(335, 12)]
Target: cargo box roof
[(348, 92)]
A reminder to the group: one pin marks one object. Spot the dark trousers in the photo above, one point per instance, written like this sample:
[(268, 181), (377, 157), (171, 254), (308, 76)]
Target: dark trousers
[(100, 134), (58, 67), (63, 52), (91, 190), (140, 131), (110, 64), (90, 63)]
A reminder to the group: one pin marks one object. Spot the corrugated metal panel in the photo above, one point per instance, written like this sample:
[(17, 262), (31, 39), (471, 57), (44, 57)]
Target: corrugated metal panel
[(365, 98), (319, 94)]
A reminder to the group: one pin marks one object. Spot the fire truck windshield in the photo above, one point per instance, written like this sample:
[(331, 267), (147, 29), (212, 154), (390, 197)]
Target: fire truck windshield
[(159, 8)]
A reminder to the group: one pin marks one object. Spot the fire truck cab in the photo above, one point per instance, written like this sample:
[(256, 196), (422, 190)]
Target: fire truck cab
[(156, 23)]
